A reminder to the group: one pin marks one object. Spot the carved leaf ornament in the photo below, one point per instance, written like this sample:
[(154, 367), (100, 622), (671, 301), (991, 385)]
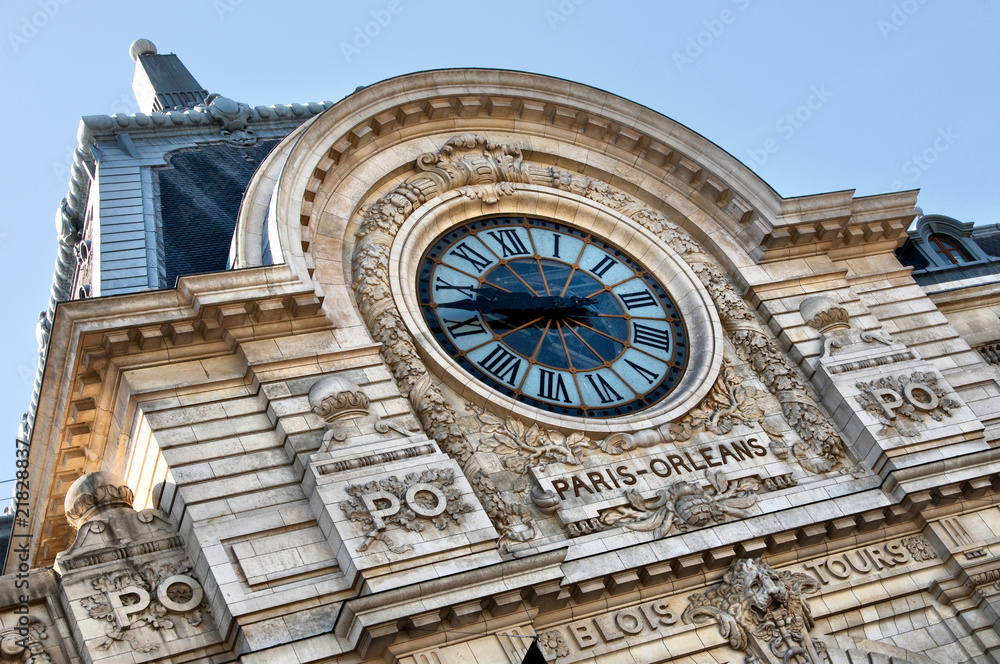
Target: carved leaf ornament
[(488, 170), (24, 642), (523, 447), (685, 505), (728, 403), (898, 401), (138, 588)]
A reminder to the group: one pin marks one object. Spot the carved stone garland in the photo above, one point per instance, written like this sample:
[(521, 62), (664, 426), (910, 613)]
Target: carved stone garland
[(685, 505), (480, 168), (820, 449)]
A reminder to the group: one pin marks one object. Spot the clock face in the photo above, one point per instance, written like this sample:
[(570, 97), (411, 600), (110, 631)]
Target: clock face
[(552, 316)]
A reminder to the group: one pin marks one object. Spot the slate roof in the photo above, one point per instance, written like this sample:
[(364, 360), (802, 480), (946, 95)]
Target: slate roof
[(989, 240), (199, 199)]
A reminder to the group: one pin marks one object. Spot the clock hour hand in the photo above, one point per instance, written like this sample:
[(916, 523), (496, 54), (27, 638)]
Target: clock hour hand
[(492, 300)]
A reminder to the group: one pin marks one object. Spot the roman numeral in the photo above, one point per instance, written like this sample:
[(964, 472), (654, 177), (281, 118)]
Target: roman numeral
[(604, 390), (478, 261), (455, 327), (603, 266), (502, 364), (652, 337), (441, 284), (505, 235), (551, 386), (650, 376), (638, 300)]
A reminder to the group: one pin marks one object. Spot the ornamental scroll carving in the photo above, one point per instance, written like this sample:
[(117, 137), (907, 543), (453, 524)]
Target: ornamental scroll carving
[(488, 170), (763, 612)]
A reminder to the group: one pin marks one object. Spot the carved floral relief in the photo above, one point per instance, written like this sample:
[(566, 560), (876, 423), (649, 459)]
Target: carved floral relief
[(486, 170), (899, 402), (24, 643), (685, 505), (132, 598)]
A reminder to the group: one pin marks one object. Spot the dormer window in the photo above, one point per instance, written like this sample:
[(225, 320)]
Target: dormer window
[(949, 249)]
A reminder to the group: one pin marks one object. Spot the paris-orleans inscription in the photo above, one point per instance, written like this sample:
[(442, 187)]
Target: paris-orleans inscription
[(611, 479)]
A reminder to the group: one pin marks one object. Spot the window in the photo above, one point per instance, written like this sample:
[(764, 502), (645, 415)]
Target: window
[(949, 249)]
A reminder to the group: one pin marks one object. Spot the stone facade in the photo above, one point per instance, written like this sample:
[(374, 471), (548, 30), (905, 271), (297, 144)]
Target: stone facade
[(280, 463)]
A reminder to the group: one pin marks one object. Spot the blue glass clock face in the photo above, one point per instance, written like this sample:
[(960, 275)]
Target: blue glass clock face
[(552, 316)]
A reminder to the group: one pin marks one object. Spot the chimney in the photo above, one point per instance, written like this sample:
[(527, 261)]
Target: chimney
[(162, 82)]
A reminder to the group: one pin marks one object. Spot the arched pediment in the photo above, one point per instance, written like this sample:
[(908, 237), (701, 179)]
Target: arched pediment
[(692, 181)]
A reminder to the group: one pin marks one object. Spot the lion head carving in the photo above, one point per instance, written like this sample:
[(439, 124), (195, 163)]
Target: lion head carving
[(756, 602)]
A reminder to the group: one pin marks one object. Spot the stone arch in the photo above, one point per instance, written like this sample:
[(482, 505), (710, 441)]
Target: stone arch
[(694, 182)]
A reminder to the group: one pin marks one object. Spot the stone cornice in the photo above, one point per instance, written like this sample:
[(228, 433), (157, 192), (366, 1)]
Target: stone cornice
[(96, 128), (769, 226), (93, 341), (837, 224)]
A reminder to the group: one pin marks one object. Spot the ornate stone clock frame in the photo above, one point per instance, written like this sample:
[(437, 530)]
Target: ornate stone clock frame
[(692, 214), (809, 452)]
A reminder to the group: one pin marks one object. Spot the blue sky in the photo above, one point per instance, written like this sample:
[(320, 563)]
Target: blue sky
[(819, 96)]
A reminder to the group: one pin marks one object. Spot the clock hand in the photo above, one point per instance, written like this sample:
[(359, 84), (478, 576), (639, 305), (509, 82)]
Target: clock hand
[(492, 300)]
